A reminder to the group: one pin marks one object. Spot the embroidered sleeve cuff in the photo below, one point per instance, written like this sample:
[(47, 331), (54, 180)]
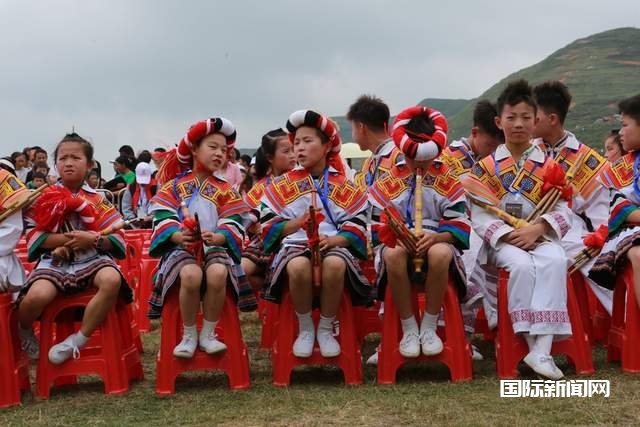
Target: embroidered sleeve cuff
[(558, 223), (495, 232)]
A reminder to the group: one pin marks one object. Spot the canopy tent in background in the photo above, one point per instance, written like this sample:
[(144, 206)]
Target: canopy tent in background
[(354, 156)]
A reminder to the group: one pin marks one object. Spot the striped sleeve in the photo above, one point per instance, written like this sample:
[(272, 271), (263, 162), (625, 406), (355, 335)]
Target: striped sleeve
[(354, 227), (620, 208), (232, 229), (165, 223), (272, 227)]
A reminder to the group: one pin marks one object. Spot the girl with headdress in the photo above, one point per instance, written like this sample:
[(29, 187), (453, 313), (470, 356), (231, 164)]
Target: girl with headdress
[(441, 213), (340, 235), (274, 157), (198, 229), (70, 230)]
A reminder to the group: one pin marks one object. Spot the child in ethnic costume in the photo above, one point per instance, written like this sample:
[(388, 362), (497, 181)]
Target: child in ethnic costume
[(68, 218), (420, 132), (201, 265), (624, 228), (590, 202), (12, 190), (341, 231), (512, 179), (274, 157)]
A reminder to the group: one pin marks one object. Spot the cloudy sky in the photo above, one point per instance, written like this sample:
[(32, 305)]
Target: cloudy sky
[(141, 72)]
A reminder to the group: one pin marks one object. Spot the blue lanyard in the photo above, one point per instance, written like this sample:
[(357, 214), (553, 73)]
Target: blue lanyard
[(324, 195), (467, 152), (408, 210), (636, 167), (372, 176)]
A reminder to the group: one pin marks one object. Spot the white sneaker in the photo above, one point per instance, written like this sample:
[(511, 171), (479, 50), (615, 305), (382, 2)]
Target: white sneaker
[(210, 344), (329, 346), (475, 353), (186, 348), (303, 346), (410, 345), (431, 342), (61, 352), (29, 343), (543, 365), (373, 359)]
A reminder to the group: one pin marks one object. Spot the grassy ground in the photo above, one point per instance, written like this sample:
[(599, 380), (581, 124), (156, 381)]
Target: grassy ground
[(317, 397)]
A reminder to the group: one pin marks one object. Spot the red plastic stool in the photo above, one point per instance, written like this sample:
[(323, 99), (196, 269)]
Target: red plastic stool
[(349, 360), (580, 287), (111, 352), (510, 349), (456, 353), (234, 362), (368, 320), (269, 324), (143, 292), (14, 364), (600, 319), (482, 326), (625, 324)]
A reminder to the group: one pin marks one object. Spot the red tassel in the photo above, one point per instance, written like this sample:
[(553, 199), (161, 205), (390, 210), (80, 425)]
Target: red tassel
[(597, 238), (387, 236), (170, 168), (554, 177)]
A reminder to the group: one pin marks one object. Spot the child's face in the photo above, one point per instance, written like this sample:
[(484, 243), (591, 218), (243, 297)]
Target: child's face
[(630, 133), (38, 182), (93, 181), (43, 171), (211, 154), (517, 122), (284, 158), (41, 157), (545, 124), (21, 162), (72, 163), (485, 143), (308, 147), (611, 150)]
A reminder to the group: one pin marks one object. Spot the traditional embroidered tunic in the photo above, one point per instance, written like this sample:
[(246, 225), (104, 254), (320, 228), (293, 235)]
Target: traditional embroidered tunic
[(537, 290), (70, 277), (11, 272), (444, 209), (220, 209), (254, 251), (590, 203), (622, 179), (344, 207)]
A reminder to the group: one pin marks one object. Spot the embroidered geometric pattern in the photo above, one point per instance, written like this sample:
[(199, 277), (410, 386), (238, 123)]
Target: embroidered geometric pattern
[(543, 316)]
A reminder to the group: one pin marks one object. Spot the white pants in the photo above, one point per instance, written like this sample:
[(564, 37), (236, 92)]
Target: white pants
[(537, 289)]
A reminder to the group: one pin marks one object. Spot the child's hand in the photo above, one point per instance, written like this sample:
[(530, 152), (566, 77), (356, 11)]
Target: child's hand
[(425, 242), (80, 239), (188, 238), (526, 238), (213, 239)]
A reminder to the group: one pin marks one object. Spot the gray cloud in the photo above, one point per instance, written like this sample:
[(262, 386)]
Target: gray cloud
[(140, 72)]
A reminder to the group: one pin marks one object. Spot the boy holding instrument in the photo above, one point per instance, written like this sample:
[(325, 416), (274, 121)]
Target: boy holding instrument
[(512, 180), (590, 200), (425, 193)]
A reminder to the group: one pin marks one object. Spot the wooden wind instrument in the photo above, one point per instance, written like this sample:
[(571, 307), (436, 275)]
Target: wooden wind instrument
[(551, 197), (19, 204), (582, 258), (505, 216), (316, 261), (402, 232), (65, 253), (418, 261)]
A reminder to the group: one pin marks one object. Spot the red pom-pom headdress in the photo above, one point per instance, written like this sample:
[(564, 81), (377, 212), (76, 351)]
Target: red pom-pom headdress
[(325, 125), (423, 146), (180, 159)]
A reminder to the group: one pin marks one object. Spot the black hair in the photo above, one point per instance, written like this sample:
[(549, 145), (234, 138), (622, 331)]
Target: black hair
[(246, 158), (516, 92), (370, 111), (38, 165), (144, 156), (267, 148), (126, 161), (237, 154), (484, 118), (87, 148), (38, 151), (17, 154), (614, 135), (38, 175), (420, 124), (94, 172), (631, 107), (159, 150), (127, 150), (553, 97)]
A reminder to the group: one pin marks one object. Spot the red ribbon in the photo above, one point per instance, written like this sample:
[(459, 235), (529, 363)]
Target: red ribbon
[(554, 177), (385, 232), (597, 238)]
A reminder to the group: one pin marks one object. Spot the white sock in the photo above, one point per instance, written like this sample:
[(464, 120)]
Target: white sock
[(531, 340), (543, 344), (409, 325), (429, 321), (79, 339), (326, 324), (305, 322), (208, 326), (190, 331)]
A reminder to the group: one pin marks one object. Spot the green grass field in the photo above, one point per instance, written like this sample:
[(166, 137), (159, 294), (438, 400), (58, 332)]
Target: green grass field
[(423, 395)]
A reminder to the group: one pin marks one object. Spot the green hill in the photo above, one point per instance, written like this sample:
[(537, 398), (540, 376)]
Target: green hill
[(599, 70)]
